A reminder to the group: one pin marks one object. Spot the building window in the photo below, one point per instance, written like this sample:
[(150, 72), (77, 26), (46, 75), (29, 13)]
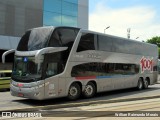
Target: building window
[(60, 12), (71, 1), (52, 6), (50, 18), (69, 21), (69, 9)]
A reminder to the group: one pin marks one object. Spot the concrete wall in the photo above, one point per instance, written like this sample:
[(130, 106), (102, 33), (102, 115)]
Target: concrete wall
[(16, 16)]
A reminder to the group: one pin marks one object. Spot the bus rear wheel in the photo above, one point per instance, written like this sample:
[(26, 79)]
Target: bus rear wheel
[(74, 91), (140, 84), (146, 83), (89, 90)]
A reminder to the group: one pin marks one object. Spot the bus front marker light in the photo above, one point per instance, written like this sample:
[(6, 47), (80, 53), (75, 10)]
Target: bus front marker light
[(20, 85)]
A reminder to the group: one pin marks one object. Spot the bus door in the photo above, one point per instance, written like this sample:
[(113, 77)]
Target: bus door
[(51, 81), (54, 85), (53, 66)]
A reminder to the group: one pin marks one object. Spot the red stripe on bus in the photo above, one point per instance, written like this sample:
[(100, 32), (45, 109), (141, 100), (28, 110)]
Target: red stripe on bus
[(85, 78)]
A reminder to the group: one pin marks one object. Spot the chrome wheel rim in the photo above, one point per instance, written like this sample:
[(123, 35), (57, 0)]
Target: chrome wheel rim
[(88, 90), (73, 91)]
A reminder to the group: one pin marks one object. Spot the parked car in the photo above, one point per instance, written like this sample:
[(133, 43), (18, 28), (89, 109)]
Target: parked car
[(5, 77)]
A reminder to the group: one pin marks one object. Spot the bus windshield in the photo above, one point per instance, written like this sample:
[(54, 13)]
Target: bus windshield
[(26, 68)]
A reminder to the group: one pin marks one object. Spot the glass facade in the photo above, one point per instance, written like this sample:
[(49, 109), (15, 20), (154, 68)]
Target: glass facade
[(60, 12)]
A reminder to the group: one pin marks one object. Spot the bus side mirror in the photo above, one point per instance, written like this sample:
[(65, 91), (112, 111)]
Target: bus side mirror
[(48, 50)]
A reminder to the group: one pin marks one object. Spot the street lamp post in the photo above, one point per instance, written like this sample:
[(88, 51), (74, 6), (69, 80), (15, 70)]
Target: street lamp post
[(106, 28), (128, 33)]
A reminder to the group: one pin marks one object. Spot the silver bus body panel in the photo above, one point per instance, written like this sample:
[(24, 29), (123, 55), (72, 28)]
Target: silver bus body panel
[(107, 84)]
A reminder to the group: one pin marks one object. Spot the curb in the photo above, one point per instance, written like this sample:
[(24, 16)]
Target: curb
[(78, 104)]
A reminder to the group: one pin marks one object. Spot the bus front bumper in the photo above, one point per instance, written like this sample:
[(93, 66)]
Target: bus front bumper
[(31, 92)]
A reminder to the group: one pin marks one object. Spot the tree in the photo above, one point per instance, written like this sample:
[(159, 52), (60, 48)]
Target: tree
[(156, 41)]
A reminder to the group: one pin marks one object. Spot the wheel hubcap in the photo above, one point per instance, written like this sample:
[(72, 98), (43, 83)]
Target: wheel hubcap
[(73, 91), (89, 90), (146, 83)]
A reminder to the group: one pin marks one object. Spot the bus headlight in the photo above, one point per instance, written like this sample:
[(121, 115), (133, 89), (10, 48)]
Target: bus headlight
[(36, 94)]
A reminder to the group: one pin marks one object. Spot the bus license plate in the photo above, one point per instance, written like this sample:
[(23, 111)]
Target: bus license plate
[(20, 95)]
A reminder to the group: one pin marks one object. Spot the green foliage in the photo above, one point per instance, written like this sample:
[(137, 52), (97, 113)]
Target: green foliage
[(154, 40)]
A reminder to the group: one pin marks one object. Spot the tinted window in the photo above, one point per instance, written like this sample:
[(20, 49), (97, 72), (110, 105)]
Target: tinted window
[(23, 44), (89, 69), (35, 39), (104, 43), (119, 45), (63, 37), (87, 42), (39, 38), (52, 69), (131, 47), (139, 49), (104, 69), (122, 45), (130, 69), (53, 64)]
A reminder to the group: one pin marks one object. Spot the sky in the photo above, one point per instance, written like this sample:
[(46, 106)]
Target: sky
[(141, 16)]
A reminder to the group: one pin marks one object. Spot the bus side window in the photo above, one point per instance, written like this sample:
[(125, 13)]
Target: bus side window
[(87, 42), (51, 69)]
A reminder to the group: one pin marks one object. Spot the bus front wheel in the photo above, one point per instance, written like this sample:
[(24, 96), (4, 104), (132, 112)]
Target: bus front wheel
[(90, 90), (74, 91)]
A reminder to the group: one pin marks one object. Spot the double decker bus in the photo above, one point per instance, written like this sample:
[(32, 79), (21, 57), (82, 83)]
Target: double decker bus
[(52, 62)]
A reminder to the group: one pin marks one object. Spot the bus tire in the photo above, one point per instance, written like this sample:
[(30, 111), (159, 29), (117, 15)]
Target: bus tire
[(90, 90), (140, 84), (74, 91), (146, 83)]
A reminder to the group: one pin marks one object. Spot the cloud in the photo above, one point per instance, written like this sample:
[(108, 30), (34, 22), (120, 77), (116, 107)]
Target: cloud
[(141, 20)]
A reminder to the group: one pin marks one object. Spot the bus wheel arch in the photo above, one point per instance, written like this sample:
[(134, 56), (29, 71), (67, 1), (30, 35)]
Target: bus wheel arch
[(146, 82), (140, 83), (90, 89), (74, 91)]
